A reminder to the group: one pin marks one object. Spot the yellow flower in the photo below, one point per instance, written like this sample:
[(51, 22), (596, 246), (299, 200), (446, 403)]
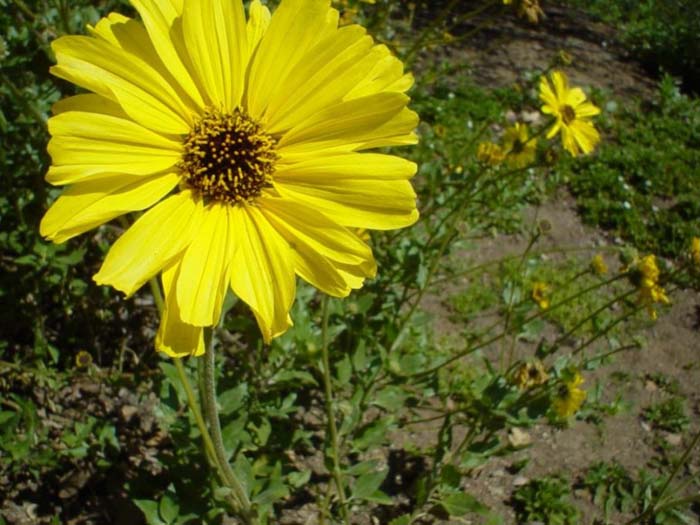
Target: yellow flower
[(572, 113), (645, 276), (540, 294), (245, 140), (518, 147), (83, 359), (598, 265), (527, 8), (530, 374), (490, 153), (695, 251), (569, 397)]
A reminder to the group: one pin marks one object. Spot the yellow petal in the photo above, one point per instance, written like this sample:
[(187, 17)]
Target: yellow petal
[(585, 135), (375, 204), (262, 272), (333, 68), (547, 95), (359, 190), (109, 71), (258, 22), (151, 243), (386, 75), (175, 337), (286, 41), (203, 280), (159, 17), (328, 256), (85, 144), (347, 124), (561, 86), (217, 43), (586, 109), (88, 204), (89, 103)]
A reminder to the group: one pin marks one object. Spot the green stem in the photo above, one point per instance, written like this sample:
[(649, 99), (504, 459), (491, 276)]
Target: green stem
[(497, 337), (330, 414), (209, 450), (655, 506), (212, 416)]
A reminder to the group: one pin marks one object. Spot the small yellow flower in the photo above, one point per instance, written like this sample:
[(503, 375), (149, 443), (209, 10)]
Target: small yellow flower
[(490, 153), (83, 359), (540, 294), (645, 276), (569, 397), (598, 265), (530, 374), (518, 147), (564, 57), (529, 9), (695, 251), (572, 113)]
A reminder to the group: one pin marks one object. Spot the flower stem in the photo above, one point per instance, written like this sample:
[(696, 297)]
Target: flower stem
[(208, 363), (209, 449), (330, 415)]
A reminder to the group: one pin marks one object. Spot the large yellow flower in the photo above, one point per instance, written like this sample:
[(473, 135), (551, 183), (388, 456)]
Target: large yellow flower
[(572, 112), (245, 137)]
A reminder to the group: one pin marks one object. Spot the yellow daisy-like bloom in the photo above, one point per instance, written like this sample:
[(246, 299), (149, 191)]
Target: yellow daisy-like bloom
[(645, 276), (490, 153), (530, 374), (519, 149), (83, 359), (244, 138), (598, 265), (695, 251), (540, 294), (569, 397), (572, 113)]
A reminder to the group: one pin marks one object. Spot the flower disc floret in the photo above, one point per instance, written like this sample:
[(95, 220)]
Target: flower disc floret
[(228, 157)]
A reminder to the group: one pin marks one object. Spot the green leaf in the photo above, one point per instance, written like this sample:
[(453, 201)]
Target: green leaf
[(232, 400), (461, 503), (401, 520), (168, 509), (150, 511), (367, 484)]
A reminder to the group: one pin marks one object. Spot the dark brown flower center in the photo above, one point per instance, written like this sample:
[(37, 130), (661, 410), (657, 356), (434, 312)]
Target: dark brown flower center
[(228, 157), (568, 114)]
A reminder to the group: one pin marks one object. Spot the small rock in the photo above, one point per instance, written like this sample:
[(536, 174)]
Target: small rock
[(645, 426), (650, 386), (673, 439), (519, 481), (128, 412), (519, 438)]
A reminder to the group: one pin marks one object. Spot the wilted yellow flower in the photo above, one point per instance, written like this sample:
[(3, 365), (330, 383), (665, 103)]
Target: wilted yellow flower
[(540, 294), (598, 264), (565, 57), (572, 113), (530, 374), (518, 148), (246, 138), (695, 250), (490, 153), (83, 359), (644, 274), (527, 8), (569, 397)]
